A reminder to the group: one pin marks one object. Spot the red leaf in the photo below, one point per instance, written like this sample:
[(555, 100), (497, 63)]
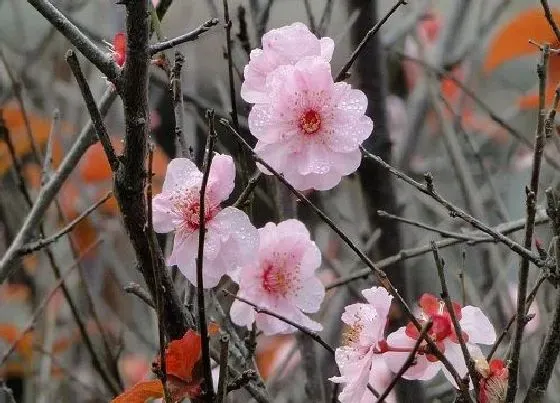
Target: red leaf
[(182, 355)]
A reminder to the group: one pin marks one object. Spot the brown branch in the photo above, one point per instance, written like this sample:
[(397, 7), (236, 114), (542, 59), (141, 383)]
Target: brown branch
[(188, 37), (371, 33), (181, 148), (550, 19), (223, 380), (248, 191), (202, 327), (136, 289), (532, 192)]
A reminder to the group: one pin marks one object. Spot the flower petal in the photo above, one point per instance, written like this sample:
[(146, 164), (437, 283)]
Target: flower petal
[(454, 355), (477, 326), (242, 314), (181, 173), (221, 179), (163, 216), (310, 295)]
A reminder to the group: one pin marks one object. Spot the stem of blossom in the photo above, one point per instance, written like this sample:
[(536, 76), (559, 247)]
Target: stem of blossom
[(344, 71), (380, 274), (408, 363), (532, 192), (301, 328), (202, 327), (551, 347), (223, 380), (440, 264), (162, 372), (455, 211)]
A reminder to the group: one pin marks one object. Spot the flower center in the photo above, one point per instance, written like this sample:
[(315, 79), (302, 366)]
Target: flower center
[(276, 280), (310, 122), (351, 334), (189, 210), (442, 326)]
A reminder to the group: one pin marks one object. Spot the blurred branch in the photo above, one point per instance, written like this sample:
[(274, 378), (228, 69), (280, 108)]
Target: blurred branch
[(371, 33), (41, 243), (532, 193), (136, 289), (188, 37), (310, 18), (550, 19), (102, 60), (48, 160), (181, 148)]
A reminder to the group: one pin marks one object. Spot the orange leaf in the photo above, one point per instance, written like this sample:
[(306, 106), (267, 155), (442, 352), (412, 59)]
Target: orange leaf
[(142, 391), (512, 40), (182, 355), (23, 344)]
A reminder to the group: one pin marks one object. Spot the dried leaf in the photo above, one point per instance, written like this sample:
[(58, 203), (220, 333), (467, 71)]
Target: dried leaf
[(512, 40), (182, 355), (142, 391)]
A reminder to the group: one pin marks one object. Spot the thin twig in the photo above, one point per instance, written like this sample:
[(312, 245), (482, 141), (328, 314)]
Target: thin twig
[(303, 329), (404, 254), (181, 148), (380, 274), (247, 192), (343, 72), (310, 17), (96, 118), (42, 243), (202, 328), (325, 21), (532, 192), (455, 211), (223, 379), (243, 36), (408, 363), (456, 325), (188, 37)]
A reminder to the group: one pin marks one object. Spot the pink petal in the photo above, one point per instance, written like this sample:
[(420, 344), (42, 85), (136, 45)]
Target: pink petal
[(346, 134), (221, 179), (266, 127), (291, 42), (313, 181), (454, 355), (346, 163), (310, 261), (313, 159), (181, 173), (163, 217), (477, 326), (380, 298), (327, 48), (242, 314), (355, 371), (314, 75), (349, 101), (379, 378), (185, 249), (310, 296), (421, 370)]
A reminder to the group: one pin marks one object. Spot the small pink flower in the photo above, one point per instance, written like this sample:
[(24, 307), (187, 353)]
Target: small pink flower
[(285, 45), (230, 240), (475, 326), (310, 128), (281, 279), (361, 358)]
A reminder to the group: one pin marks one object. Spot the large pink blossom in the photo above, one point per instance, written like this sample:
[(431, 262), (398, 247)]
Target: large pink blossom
[(309, 128), (282, 279), (285, 45), (230, 240), (361, 358), (475, 326)]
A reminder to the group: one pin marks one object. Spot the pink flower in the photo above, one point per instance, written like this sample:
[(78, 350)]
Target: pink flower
[(361, 358), (310, 128), (230, 240), (475, 326), (281, 46), (281, 279)]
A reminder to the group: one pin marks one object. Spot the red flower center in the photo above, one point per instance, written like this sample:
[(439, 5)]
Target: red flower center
[(442, 326), (278, 281), (189, 211), (310, 121)]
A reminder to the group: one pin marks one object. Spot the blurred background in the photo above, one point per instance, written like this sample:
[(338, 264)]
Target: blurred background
[(423, 121)]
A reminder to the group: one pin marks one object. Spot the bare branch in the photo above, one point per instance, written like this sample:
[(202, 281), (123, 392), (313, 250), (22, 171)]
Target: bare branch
[(550, 19), (136, 289), (188, 37), (223, 380)]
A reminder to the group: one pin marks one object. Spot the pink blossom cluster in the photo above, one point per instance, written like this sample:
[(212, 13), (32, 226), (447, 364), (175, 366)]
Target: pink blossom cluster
[(308, 127), (367, 356)]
